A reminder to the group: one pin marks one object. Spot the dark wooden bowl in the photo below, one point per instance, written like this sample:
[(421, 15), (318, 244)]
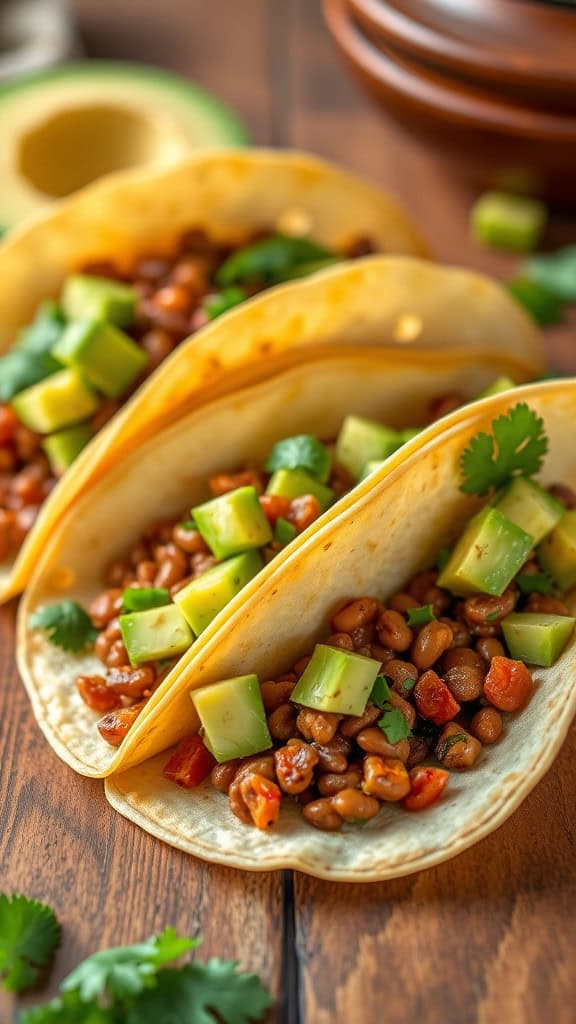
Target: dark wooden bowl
[(489, 139)]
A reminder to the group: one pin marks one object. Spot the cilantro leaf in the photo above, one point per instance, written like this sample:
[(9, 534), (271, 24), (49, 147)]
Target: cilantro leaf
[(535, 583), (69, 1009), (125, 971), (555, 271), (202, 994), (516, 447), (442, 558), (67, 624), (269, 260), (408, 685), (20, 370), (421, 616), (300, 452), (44, 331), (444, 747), (221, 302), (29, 934), (139, 599), (380, 692), (394, 725)]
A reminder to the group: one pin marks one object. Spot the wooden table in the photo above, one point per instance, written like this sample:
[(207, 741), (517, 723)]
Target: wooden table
[(488, 937)]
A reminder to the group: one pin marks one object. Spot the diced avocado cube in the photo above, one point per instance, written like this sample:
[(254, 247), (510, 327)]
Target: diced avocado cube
[(507, 221), (284, 531), (107, 357), (487, 555), (202, 599), (98, 298), (361, 441), (233, 717), (371, 467), (529, 506), (56, 402), (497, 386), (537, 638), (336, 680), (155, 634), (63, 446), (557, 552), (233, 523), (294, 483)]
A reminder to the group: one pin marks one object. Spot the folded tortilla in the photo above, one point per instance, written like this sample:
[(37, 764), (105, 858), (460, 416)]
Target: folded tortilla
[(343, 325), (392, 530), (228, 193)]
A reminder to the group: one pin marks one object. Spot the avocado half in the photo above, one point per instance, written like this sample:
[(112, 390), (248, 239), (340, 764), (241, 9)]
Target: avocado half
[(62, 129)]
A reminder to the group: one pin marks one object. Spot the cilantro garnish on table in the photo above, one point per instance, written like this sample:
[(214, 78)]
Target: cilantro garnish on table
[(67, 624), (393, 724), (29, 934), (516, 447)]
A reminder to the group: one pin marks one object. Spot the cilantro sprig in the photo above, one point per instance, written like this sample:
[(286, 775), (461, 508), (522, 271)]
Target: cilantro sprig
[(392, 723), (516, 447), (421, 616), (29, 934), (126, 984), (67, 624)]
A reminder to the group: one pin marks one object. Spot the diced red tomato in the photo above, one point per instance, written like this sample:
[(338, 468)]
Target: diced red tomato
[(262, 799), (96, 694), (222, 483), (116, 724), (190, 763), (434, 700), (426, 787), (303, 511), (8, 423), (508, 685), (274, 507)]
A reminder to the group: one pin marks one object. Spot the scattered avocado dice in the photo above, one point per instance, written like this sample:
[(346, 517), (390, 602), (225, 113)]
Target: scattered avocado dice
[(233, 717), (202, 599), (530, 507), (536, 637), (361, 441), (336, 680), (99, 298), (499, 385), (55, 402), (487, 555), (294, 483), (155, 634), (63, 446), (107, 357), (557, 552), (284, 531), (233, 523)]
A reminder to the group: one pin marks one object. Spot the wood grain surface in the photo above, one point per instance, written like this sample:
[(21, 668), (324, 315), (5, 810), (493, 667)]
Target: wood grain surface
[(489, 937)]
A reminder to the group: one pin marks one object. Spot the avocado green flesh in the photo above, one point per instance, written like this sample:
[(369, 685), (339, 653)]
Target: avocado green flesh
[(497, 387), (295, 483), (202, 599), (233, 523), (487, 556), (361, 441), (233, 717), (371, 467), (106, 356), (56, 402), (557, 552), (537, 638), (155, 634), (63, 447), (530, 507), (336, 680), (98, 298)]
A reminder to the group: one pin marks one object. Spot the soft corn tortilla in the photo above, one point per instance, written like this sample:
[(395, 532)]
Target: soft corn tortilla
[(392, 530), (382, 301), (168, 474)]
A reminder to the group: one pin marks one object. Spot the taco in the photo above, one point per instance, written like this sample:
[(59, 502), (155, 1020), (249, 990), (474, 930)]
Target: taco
[(191, 494), (102, 288), (416, 654)]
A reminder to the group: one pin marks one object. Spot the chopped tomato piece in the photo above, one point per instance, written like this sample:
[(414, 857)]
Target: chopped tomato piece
[(508, 685), (114, 726), (262, 799), (274, 507), (190, 763), (426, 787), (8, 423), (434, 700), (96, 694), (303, 511), (222, 483)]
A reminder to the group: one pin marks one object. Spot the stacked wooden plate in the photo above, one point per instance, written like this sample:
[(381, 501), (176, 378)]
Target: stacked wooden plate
[(492, 83)]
